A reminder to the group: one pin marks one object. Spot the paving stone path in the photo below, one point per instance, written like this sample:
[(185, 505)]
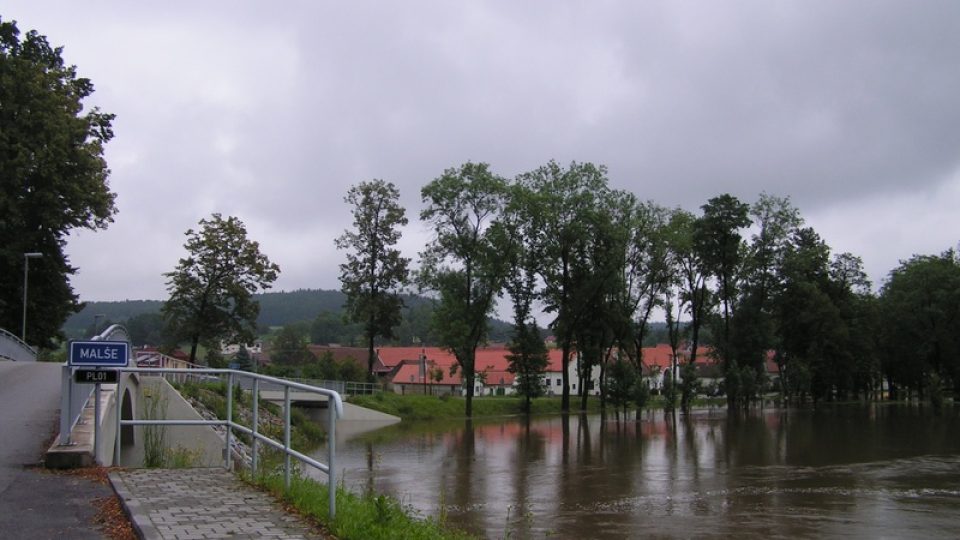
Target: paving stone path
[(187, 504)]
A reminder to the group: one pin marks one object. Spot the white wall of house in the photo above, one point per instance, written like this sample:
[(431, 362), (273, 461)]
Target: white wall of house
[(253, 348), (553, 380)]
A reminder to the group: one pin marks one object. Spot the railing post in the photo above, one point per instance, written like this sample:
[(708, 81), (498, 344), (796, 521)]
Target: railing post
[(118, 403), (65, 403), (256, 425), (96, 424), (229, 415), (331, 454), (286, 437)]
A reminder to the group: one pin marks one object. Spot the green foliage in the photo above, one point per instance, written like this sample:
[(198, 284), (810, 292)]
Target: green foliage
[(374, 272), (154, 407), (329, 327), (563, 204), (935, 391), (148, 329), (920, 321), (641, 393), (620, 381), (720, 247), (669, 391), (211, 290), (305, 433), (289, 346), (421, 407), (243, 360), (528, 361), (822, 316), (689, 386), (361, 517), (463, 264), (528, 354), (53, 179), (690, 275)]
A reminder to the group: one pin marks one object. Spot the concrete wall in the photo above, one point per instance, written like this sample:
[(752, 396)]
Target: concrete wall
[(202, 444)]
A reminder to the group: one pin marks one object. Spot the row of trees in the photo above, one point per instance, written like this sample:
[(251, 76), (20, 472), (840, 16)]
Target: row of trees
[(603, 263)]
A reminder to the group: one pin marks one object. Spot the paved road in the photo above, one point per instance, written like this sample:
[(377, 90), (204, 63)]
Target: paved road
[(34, 503)]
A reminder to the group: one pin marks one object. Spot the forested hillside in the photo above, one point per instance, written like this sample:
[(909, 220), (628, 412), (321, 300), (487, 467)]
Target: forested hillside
[(276, 308), (312, 306)]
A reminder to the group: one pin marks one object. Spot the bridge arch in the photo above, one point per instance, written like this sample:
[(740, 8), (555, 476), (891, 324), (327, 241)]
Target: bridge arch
[(127, 433)]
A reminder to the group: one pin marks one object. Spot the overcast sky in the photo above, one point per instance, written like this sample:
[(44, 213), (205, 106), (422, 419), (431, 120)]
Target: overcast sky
[(269, 111)]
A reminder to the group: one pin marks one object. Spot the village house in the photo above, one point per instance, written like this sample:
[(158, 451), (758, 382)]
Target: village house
[(230, 349), (432, 370)]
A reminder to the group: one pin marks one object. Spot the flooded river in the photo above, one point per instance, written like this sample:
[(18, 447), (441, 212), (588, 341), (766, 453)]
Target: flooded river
[(868, 471)]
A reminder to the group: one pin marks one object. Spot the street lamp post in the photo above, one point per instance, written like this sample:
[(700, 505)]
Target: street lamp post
[(26, 269)]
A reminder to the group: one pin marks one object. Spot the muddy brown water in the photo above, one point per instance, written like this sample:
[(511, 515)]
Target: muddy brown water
[(865, 471)]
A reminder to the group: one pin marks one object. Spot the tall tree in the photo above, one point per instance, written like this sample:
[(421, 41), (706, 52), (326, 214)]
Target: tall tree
[(53, 179), (753, 331), (717, 237), (463, 263), (566, 198), (211, 290), (528, 353), (920, 305), (809, 323), (289, 346), (374, 272), (647, 270), (691, 274), (598, 283)]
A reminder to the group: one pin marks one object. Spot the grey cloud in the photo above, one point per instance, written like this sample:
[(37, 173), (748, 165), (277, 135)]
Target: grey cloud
[(272, 112)]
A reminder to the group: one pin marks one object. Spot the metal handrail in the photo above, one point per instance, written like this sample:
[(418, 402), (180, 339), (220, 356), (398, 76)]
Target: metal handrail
[(335, 411), (114, 332), (348, 388), (14, 348)]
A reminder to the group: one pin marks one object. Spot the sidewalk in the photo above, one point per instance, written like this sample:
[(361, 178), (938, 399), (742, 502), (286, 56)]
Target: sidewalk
[(202, 503)]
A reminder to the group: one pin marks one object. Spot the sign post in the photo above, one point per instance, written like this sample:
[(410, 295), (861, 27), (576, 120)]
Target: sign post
[(96, 355)]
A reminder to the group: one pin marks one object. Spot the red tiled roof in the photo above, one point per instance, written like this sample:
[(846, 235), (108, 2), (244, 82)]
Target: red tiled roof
[(410, 373), (357, 355), (493, 361), (394, 356)]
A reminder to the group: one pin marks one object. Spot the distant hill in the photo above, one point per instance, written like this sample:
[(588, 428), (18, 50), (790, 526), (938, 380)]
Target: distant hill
[(279, 309), (111, 311), (276, 308)]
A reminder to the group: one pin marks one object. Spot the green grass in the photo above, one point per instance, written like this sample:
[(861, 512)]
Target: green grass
[(419, 407), (368, 517), (304, 433)]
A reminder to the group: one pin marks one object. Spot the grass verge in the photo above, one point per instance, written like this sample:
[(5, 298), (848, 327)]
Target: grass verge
[(419, 407), (366, 517), (305, 433)]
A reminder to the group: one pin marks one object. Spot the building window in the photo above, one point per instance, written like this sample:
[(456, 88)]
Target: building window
[(574, 386), (558, 382)]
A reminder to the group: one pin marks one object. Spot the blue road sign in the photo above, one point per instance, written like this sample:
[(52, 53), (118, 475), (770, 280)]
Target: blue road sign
[(99, 353)]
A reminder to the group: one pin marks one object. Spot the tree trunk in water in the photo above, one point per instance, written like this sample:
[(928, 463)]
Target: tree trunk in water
[(469, 405), (565, 360), (371, 355)]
